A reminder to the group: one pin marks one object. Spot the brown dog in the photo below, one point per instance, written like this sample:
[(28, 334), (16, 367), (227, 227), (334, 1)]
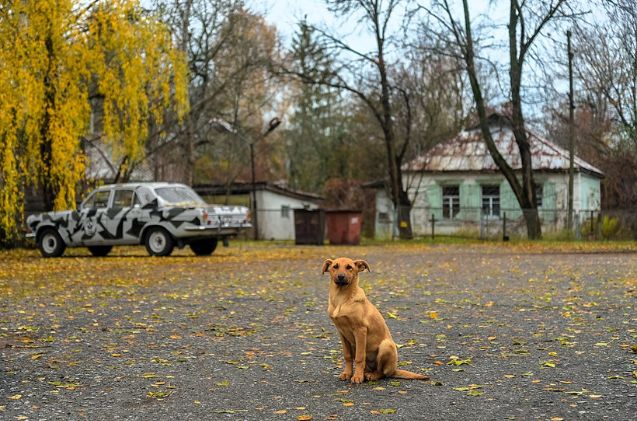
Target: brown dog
[(364, 334)]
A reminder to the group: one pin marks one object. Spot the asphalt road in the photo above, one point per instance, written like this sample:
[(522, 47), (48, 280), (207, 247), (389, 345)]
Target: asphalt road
[(504, 333)]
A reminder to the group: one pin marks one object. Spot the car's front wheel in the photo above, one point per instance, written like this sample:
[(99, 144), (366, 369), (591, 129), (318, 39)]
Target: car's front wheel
[(204, 247), (159, 242), (50, 243), (100, 251)]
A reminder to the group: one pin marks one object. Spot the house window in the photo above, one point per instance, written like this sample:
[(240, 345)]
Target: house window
[(491, 201), (450, 202), (285, 211), (538, 194)]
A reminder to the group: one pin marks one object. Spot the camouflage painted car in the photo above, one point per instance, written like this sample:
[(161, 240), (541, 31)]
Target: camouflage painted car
[(158, 215)]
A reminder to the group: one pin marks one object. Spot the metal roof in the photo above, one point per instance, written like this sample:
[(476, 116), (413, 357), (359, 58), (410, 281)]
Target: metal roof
[(244, 188), (149, 184), (468, 152)]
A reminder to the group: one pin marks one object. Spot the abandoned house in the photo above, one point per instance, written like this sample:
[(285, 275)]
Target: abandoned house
[(459, 185)]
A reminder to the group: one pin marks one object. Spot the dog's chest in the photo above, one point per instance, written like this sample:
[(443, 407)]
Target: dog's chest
[(336, 312), (340, 313)]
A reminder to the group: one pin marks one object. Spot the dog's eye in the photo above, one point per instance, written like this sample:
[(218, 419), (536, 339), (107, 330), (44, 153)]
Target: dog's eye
[(335, 266), (348, 267)]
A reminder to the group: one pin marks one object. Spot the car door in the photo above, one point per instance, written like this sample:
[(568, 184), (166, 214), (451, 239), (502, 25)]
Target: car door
[(91, 215), (115, 220), (135, 219)]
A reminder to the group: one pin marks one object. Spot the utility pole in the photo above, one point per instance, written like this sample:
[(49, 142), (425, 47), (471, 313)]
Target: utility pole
[(571, 134)]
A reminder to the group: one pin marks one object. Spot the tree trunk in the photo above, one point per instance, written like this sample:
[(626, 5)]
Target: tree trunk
[(533, 224), (526, 198), (189, 147), (399, 196), (404, 217), (46, 148), (524, 191)]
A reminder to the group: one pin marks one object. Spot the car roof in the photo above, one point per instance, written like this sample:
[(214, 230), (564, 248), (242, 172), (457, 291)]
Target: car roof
[(152, 185)]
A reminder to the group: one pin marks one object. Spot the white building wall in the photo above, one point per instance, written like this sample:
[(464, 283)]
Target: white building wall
[(274, 222), (383, 220)]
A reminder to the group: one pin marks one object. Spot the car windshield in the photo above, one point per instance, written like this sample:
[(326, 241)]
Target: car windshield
[(179, 196)]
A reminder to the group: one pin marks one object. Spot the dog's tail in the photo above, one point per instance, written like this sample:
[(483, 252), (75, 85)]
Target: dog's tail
[(404, 374)]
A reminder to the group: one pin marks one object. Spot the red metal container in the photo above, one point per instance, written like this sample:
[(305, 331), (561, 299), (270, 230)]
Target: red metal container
[(344, 226)]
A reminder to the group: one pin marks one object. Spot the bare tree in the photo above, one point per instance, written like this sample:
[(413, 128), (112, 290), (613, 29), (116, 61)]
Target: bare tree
[(228, 49), (608, 63), (527, 20), (606, 71), (367, 76)]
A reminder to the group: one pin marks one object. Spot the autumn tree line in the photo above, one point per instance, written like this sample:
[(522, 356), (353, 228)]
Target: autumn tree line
[(177, 90)]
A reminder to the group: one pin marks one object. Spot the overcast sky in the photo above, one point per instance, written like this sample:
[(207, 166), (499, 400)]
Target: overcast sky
[(286, 14)]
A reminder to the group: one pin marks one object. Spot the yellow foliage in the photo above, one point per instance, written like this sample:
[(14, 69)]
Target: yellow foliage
[(54, 55)]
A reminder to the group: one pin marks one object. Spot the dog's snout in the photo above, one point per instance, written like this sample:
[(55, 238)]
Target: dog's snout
[(341, 279)]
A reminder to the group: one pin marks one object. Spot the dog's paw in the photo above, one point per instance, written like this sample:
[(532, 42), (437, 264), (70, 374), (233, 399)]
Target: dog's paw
[(345, 375), (357, 378), (372, 377)]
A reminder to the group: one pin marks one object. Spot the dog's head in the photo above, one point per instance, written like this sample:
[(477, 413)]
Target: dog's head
[(344, 271)]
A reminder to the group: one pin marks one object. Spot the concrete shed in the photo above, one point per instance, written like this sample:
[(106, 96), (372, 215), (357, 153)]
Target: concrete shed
[(276, 204)]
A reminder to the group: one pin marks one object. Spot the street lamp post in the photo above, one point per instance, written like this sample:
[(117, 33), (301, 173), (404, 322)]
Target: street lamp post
[(224, 126), (255, 219), (272, 125)]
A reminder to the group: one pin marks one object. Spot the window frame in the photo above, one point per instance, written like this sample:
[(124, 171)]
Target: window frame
[(493, 201), (539, 194), (132, 198), (92, 197), (285, 211), (450, 202)]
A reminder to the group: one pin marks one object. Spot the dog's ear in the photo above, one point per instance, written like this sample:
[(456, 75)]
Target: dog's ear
[(326, 265), (361, 265)]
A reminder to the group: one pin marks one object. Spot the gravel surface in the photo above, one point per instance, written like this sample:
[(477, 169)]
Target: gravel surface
[(514, 332)]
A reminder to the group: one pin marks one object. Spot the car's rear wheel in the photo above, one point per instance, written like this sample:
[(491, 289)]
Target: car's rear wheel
[(204, 247), (159, 242), (100, 251), (50, 243)]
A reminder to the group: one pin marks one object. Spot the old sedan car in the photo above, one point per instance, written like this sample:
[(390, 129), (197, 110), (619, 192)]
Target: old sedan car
[(158, 215)]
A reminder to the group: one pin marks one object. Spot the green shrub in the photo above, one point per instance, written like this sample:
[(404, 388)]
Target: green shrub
[(609, 227)]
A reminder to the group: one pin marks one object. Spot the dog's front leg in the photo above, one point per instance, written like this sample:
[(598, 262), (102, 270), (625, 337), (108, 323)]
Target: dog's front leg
[(347, 354), (360, 335)]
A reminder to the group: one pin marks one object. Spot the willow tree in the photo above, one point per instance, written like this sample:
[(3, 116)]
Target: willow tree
[(55, 56)]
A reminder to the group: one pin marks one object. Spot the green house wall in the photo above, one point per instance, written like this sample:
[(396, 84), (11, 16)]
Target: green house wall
[(428, 203), (470, 189), (590, 195)]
